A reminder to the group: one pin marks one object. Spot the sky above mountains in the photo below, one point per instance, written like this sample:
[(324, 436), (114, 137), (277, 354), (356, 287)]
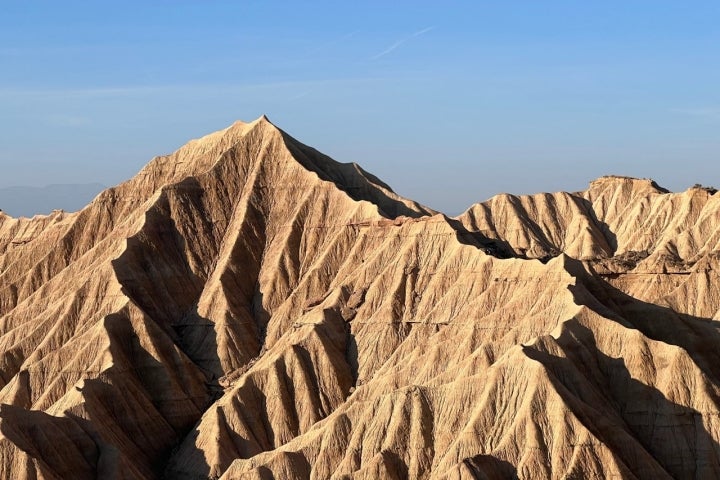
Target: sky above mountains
[(448, 102)]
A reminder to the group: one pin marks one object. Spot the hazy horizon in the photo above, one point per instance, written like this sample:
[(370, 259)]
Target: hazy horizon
[(449, 106), (73, 197), (26, 201)]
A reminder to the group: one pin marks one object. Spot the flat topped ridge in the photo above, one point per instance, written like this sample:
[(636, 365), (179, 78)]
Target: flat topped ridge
[(622, 179), (642, 183)]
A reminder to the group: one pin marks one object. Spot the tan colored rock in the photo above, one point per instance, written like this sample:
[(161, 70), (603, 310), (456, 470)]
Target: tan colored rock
[(249, 308)]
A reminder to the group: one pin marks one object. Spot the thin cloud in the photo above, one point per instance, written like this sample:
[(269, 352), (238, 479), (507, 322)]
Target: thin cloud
[(402, 41), (301, 95), (52, 50), (82, 92), (707, 112), (187, 89)]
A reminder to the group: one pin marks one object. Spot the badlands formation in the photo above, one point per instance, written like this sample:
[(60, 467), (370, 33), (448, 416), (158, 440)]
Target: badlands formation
[(249, 308)]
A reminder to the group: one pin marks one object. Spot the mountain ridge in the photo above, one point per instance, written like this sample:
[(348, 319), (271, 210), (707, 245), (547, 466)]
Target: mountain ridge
[(247, 307)]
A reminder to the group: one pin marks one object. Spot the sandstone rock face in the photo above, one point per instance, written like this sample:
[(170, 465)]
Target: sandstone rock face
[(249, 308)]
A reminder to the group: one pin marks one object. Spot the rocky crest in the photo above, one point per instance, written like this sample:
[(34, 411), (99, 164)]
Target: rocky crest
[(249, 308)]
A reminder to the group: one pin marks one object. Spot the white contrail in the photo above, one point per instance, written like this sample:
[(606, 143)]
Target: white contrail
[(401, 41)]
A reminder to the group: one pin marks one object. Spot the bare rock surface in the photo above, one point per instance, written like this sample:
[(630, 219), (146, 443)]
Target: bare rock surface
[(247, 307)]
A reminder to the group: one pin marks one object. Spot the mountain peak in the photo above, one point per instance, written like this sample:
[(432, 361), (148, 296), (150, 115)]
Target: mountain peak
[(262, 119)]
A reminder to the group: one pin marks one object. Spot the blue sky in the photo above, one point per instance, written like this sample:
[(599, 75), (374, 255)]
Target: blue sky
[(448, 102)]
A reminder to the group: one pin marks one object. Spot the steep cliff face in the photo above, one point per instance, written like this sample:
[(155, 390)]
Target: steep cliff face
[(249, 308)]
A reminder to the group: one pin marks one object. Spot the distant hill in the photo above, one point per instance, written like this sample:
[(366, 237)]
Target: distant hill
[(23, 201)]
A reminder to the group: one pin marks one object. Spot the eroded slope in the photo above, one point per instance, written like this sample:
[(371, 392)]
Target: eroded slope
[(249, 308)]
